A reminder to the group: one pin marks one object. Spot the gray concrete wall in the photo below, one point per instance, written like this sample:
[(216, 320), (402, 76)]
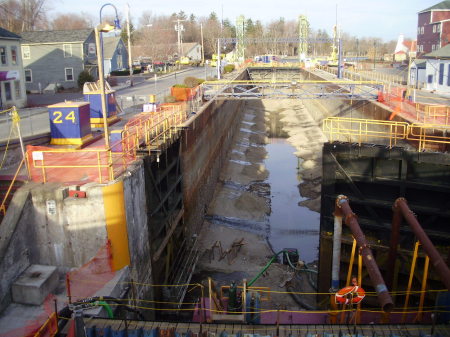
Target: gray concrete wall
[(138, 232), (66, 236), (205, 142), (73, 234), (16, 236)]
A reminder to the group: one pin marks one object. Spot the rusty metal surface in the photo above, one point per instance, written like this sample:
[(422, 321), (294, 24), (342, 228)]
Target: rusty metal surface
[(436, 259), (369, 261)]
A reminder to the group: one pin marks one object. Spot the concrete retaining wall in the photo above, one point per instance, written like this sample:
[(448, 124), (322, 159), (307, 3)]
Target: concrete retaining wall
[(138, 232), (205, 142), (344, 108)]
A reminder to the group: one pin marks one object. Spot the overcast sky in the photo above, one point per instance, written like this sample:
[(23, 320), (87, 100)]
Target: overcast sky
[(380, 18)]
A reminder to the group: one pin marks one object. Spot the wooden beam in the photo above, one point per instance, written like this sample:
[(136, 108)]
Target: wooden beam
[(173, 225)]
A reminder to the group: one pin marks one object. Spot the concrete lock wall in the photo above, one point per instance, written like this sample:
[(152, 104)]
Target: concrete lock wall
[(205, 143), (15, 239), (344, 108), (45, 226), (138, 231)]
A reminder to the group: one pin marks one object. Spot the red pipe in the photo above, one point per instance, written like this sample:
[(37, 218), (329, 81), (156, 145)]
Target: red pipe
[(435, 258), (369, 261)]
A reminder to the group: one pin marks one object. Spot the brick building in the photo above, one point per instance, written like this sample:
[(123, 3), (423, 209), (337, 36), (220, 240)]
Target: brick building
[(433, 28)]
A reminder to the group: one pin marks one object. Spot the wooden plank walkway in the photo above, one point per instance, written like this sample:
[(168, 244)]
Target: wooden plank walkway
[(287, 330)]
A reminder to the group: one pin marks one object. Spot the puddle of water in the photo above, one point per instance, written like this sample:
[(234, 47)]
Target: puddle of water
[(291, 225)]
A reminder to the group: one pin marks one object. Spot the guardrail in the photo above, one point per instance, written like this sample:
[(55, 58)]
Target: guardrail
[(149, 130), (361, 130), (433, 114), (365, 130)]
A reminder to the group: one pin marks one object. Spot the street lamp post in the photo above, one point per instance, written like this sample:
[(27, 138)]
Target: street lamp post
[(130, 63), (374, 53), (101, 76)]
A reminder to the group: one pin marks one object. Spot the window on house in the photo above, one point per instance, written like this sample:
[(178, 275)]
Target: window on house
[(441, 73), (433, 47), (8, 93), (430, 79), (28, 76), (448, 76), (67, 50), (14, 60), (421, 30), (17, 89), (418, 30), (438, 27), (26, 55), (69, 74), (3, 59), (434, 28)]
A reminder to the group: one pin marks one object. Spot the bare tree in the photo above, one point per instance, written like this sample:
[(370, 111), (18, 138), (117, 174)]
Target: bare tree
[(72, 21), (24, 15)]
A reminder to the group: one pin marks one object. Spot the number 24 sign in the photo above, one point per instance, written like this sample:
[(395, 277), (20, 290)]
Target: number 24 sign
[(58, 117)]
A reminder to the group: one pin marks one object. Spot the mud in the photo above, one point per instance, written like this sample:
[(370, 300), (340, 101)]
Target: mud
[(241, 206)]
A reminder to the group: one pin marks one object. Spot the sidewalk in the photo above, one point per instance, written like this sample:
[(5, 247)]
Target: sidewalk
[(42, 100)]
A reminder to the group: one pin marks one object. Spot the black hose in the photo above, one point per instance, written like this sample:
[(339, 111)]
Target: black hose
[(66, 313)]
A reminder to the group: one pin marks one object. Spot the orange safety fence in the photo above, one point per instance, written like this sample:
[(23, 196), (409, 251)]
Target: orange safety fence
[(85, 281), (49, 328), (44, 324)]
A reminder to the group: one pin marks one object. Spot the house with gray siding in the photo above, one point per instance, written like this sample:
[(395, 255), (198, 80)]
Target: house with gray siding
[(55, 58), (12, 83), (115, 54)]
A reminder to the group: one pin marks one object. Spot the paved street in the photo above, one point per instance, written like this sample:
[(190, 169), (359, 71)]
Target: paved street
[(35, 121)]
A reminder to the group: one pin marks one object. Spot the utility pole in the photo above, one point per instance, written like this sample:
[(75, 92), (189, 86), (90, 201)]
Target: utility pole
[(374, 53), (179, 29), (130, 63), (218, 59), (203, 49)]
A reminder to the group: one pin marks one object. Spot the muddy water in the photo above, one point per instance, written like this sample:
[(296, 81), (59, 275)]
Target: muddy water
[(291, 225)]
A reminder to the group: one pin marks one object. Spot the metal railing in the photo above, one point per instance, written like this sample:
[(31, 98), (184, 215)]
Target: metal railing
[(49, 328), (433, 114), (429, 134), (5, 198), (365, 75), (151, 131), (364, 130)]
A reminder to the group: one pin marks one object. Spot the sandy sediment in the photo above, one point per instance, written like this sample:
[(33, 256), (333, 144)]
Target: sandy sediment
[(241, 203)]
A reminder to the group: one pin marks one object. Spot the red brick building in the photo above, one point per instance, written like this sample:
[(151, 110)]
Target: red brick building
[(433, 28)]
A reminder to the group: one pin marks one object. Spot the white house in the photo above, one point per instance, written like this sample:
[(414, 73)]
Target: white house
[(193, 50), (437, 70), (12, 81), (418, 76)]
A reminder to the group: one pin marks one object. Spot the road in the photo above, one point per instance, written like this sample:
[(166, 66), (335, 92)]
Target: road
[(36, 121)]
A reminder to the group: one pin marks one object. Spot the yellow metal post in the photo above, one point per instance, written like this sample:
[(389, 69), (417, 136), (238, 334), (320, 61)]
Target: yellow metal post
[(349, 275), (424, 287), (411, 276), (116, 224)]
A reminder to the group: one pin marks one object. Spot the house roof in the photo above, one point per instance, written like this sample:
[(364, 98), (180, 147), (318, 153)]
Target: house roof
[(187, 47), (411, 45), (441, 53), (110, 45), (444, 5), (420, 64), (51, 36), (6, 34)]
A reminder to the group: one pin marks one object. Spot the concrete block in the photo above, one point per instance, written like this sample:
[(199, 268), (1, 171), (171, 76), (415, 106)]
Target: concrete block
[(35, 283)]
